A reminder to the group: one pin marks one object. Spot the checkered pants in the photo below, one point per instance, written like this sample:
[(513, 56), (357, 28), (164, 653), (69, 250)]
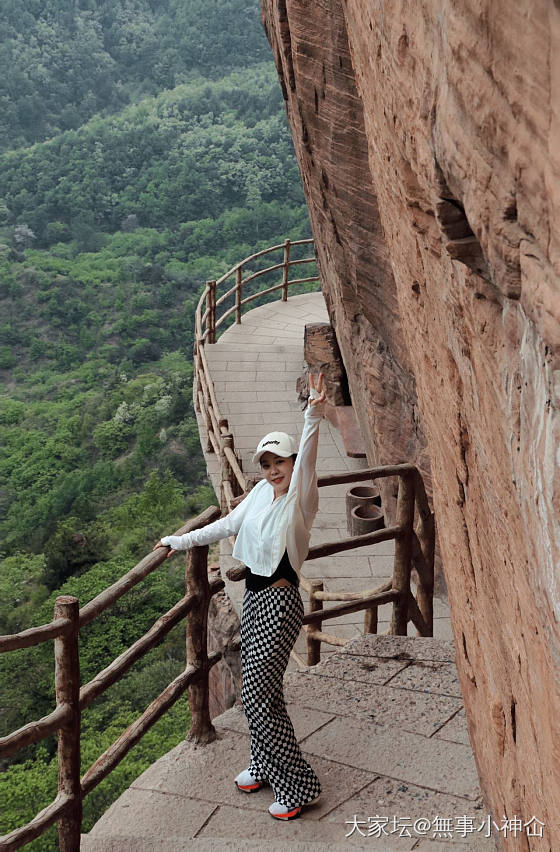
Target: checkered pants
[(270, 625)]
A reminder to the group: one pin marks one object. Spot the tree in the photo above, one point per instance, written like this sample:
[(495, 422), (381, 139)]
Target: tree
[(23, 236), (73, 547)]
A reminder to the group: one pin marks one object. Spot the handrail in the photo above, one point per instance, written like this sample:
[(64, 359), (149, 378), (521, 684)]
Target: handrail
[(35, 635), (38, 825), (351, 606), (71, 699), (104, 679), (413, 547), (219, 439), (148, 564), (34, 731), (257, 254), (386, 534)]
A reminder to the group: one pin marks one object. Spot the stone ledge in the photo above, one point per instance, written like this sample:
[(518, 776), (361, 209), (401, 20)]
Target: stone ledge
[(399, 767)]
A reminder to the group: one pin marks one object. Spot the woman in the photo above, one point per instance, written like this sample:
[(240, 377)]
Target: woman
[(272, 525)]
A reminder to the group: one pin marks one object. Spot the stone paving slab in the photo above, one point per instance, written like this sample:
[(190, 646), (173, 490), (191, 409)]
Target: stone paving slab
[(187, 799), (399, 806), (455, 729), (139, 811), (478, 843), (228, 822), (430, 677), (305, 720), (409, 648), (120, 843), (409, 757), (418, 712), (359, 669), (124, 843)]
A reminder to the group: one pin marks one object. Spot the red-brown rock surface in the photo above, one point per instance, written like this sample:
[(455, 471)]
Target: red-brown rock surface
[(224, 682), (428, 137)]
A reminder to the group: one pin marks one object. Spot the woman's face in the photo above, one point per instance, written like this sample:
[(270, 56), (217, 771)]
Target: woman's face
[(277, 471)]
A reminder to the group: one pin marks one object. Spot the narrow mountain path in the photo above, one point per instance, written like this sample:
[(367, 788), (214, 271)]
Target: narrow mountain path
[(381, 720)]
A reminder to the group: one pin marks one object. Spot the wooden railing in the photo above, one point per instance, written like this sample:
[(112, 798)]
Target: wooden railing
[(414, 546), (71, 698), (219, 437)]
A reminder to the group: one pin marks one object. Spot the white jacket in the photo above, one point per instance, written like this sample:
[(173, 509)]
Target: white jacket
[(265, 527)]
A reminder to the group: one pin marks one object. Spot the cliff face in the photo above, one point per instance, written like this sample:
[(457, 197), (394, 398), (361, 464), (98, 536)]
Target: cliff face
[(428, 137)]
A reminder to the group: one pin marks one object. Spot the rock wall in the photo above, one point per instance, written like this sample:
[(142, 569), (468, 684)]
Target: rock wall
[(224, 680), (428, 137)]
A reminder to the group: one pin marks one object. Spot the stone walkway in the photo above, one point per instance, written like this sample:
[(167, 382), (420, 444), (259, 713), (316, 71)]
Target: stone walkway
[(382, 720), (255, 366)]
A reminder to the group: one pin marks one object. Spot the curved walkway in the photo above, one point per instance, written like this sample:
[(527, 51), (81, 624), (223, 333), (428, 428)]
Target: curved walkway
[(255, 366), (382, 720)]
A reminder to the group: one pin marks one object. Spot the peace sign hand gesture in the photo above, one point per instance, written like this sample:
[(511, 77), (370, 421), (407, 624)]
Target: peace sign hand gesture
[(318, 400)]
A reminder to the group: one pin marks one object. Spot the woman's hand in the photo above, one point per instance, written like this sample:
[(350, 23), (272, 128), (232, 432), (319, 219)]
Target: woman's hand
[(159, 544), (320, 389)]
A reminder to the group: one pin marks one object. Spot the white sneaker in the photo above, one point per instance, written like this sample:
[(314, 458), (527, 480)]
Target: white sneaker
[(246, 783), (279, 811)]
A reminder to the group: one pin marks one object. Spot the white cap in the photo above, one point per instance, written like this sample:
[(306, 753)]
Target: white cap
[(279, 443)]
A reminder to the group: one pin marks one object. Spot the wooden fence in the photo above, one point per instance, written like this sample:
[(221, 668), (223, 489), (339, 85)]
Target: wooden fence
[(414, 543), (71, 698), (219, 439), (414, 546)]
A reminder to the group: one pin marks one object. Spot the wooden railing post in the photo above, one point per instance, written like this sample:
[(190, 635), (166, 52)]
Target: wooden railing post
[(225, 469), (196, 582), (196, 375), (314, 645), (286, 270), (211, 307), (208, 320), (238, 293), (370, 620), (67, 689), (403, 553), (208, 421)]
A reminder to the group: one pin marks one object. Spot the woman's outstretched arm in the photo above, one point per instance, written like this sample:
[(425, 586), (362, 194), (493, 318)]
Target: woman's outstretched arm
[(222, 528)]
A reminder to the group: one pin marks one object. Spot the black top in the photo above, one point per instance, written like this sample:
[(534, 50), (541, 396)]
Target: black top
[(256, 582)]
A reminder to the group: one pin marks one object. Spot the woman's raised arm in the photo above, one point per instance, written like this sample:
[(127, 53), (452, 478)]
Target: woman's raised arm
[(304, 477)]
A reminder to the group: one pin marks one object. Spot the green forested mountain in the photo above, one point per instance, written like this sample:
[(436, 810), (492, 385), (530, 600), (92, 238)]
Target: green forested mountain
[(187, 154), (63, 61), (83, 319), (144, 150)]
